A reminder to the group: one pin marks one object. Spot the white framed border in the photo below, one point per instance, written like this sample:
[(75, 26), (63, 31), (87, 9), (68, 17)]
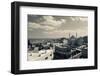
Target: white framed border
[(24, 64)]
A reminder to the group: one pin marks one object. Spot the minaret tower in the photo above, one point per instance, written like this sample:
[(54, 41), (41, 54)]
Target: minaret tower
[(69, 35), (76, 34)]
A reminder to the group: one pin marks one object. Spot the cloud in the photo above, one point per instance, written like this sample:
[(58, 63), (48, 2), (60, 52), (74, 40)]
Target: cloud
[(83, 18), (50, 21), (75, 18), (32, 26), (65, 33), (56, 26)]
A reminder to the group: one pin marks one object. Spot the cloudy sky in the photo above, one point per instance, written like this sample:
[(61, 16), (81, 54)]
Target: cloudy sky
[(40, 26)]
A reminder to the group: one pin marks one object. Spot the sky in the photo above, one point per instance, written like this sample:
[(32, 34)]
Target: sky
[(48, 26)]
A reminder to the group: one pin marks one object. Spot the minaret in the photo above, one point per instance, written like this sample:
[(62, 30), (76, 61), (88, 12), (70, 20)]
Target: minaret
[(69, 35), (76, 34)]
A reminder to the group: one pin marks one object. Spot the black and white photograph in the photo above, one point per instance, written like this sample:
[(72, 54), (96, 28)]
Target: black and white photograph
[(53, 37)]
